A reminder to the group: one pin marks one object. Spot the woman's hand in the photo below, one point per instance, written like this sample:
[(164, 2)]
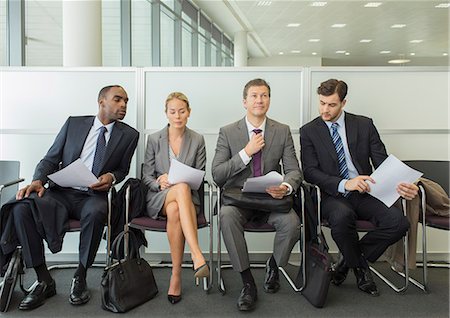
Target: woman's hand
[(163, 181)]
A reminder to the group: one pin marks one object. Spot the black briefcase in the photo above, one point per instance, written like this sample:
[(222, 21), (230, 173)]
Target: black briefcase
[(15, 268)]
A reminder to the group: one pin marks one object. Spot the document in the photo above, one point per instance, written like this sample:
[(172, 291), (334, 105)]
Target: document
[(179, 172), (260, 184), (74, 175), (387, 176)]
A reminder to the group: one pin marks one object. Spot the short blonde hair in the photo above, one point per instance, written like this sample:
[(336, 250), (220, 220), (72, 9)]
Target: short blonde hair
[(177, 95)]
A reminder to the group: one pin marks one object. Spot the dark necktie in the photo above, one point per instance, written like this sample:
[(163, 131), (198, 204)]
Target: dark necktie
[(257, 159), (337, 141), (99, 152)]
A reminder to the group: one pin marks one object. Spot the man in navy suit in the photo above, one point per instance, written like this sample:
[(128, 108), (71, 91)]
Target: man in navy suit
[(338, 150), (105, 145)]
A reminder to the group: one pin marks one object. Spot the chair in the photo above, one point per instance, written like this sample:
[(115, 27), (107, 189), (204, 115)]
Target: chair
[(145, 223), (257, 227), (438, 171)]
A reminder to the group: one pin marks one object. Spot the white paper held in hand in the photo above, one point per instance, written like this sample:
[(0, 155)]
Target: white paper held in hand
[(179, 172), (74, 175), (260, 184), (387, 176)]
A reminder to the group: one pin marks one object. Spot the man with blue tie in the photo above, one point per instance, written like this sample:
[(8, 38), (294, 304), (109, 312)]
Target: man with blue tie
[(250, 147), (105, 145), (338, 150)]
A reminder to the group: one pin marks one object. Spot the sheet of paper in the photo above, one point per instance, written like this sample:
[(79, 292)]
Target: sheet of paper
[(74, 175), (387, 176), (179, 172), (260, 184)]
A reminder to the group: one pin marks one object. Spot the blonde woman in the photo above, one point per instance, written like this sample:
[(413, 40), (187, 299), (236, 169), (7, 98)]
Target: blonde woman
[(177, 203)]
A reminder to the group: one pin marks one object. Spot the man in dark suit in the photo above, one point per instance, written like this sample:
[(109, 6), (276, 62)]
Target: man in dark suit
[(240, 146), (338, 150), (105, 145)]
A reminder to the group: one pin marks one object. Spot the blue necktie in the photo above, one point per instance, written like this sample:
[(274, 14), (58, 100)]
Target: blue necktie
[(257, 171), (337, 141), (99, 152)]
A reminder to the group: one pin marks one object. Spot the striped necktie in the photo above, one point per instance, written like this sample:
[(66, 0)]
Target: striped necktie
[(99, 152), (337, 141)]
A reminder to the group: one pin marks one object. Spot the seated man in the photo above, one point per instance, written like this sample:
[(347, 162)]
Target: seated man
[(254, 146), (337, 149), (105, 145)]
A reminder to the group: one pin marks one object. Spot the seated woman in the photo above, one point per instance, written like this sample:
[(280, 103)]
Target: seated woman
[(176, 202)]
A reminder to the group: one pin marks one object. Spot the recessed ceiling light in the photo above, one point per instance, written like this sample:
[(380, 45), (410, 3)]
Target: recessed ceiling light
[(280, 53), (412, 53), (314, 40), (338, 25), (385, 52), (347, 53), (398, 26), (340, 52), (416, 41), (264, 3), (373, 4), (318, 4), (399, 61), (365, 41), (293, 25), (295, 51), (443, 5), (314, 53), (445, 54)]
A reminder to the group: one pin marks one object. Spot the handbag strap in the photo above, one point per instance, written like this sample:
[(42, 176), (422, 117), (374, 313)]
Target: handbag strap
[(133, 250)]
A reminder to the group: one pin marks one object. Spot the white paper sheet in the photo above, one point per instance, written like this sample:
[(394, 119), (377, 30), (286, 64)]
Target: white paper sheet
[(260, 184), (74, 175), (179, 172), (387, 176)]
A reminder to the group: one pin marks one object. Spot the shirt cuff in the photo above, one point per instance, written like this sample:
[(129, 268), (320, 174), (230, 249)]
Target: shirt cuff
[(341, 186), (289, 187), (113, 178), (245, 158)]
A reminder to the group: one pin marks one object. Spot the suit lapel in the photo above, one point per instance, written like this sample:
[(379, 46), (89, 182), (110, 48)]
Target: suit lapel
[(164, 149), (325, 137), (242, 138), (78, 143), (351, 130), (185, 146), (114, 140), (269, 134)]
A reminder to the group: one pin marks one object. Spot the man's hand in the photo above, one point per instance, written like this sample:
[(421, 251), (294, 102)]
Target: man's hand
[(163, 181), (359, 184), (255, 144), (278, 192), (407, 190), (104, 183), (35, 186)]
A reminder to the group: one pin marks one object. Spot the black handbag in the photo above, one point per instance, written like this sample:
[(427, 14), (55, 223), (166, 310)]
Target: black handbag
[(318, 272), (263, 202), (127, 283)]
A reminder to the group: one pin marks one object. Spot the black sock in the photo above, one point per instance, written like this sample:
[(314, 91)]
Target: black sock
[(81, 272), (247, 277), (272, 263), (43, 275)]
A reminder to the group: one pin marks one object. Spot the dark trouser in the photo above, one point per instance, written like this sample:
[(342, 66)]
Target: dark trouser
[(342, 213), (89, 208)]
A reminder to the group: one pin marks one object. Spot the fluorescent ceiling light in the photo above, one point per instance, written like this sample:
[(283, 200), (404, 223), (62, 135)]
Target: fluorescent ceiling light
[(338, 25), (340, 52), (443, 5), (280, 53), (412, 53), (399, 61), (347, 53), (385, 52), (314, 53), (445, 54), (293, 25), (264, 3), (365, 41), (398, 26), (314, 40), (318, 4), (373, 4), (416, 41), (295, 51)]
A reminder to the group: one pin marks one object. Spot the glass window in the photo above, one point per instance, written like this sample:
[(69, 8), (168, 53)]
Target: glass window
[(111, 52), (167, 39), (201, 51), (3, 38), (169, 3), (141, 30), (43, 33), (214, 55), (186, 42)]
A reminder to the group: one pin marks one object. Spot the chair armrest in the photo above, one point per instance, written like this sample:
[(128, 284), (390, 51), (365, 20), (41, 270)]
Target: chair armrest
[(10, 183)]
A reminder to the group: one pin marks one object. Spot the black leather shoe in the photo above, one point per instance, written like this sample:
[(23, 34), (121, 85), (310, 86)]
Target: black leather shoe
[(38, 295), (271, 280), (340, 271), (173, 299), (79, 294), (365, 282), (247, 298)]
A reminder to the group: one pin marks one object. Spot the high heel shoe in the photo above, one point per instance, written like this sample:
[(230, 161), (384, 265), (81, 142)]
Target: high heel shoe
[(202, 271), (173, 299)]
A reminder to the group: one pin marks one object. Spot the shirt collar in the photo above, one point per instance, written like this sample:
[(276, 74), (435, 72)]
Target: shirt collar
[(250, 127), (340, 121), (97, 124)]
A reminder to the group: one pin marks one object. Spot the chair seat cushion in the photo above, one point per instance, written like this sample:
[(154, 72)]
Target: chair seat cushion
[(436, 221), (148, 223)]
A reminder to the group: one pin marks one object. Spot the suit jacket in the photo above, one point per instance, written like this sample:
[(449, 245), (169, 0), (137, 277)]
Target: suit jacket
[(69, 143), (157, 162), (228, 169), (319, 158)]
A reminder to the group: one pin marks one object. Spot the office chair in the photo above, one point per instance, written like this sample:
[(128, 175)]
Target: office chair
[(146, 223), (258, 227)]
